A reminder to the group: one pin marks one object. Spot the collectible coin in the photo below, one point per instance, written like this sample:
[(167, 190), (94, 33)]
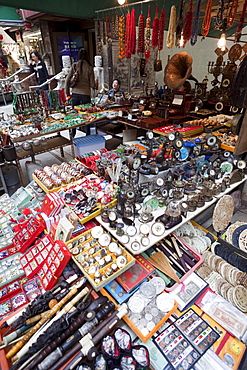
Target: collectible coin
[(164, 302), (159, 284), (136, 304)]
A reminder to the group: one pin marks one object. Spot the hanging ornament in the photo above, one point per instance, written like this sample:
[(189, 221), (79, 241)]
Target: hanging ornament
[(193, 39), (180, 23), (155, 31), (187, 31), (141, 21), (127, 36), (148, 35), (207, 19), (133, 32), (116, 26), (162, 24), (121, 37), (240, 23), (218, 20), (232, 13), (170, 40)]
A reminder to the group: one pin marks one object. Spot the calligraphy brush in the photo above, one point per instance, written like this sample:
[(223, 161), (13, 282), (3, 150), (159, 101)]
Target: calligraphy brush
[(49, 332), (52, 353), (87, 341)]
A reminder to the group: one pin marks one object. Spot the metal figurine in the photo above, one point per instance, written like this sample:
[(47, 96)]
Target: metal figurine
[(86, 345), (33, 330)]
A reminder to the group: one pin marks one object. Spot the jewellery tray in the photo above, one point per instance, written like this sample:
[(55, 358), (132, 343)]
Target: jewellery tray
[(224, 146), (12, 276), (186, 131), (47, 260), (97, 287), (95, 213), (143, 338), (46, 190), (24, 238)]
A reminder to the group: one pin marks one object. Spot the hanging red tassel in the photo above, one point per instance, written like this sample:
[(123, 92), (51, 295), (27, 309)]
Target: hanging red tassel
[(187, 31), (140, 48), (133, 32), (148, 35), (127, 36), (162, 24), (155, 33)]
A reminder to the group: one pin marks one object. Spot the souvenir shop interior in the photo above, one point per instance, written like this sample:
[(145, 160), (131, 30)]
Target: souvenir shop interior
[(127, 254)]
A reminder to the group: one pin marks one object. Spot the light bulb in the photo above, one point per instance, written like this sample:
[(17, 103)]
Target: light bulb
[(121, 2), (181, 41), (222, 42)]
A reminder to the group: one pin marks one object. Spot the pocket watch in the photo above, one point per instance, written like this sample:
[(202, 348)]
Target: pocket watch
[(131, 230), (171, 136), (144, 229), (112, 215), (135, 246), (158, 229), (133, 162)]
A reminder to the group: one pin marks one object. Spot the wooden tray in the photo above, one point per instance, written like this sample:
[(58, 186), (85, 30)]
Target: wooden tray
[(143, 338), (97, 287)]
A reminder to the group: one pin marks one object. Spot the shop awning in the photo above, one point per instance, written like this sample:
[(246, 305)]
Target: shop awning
[(86, 8)]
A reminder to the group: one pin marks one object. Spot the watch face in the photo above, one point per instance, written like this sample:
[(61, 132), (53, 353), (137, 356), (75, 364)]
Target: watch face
[(211, 140), (158, 228), (112, 215), (241, 164), (212, 172), (136, 163), (144, 229), (97, 231), (145, 241), (131, 230), (135, 246), (171, 136), (144, 192), (178, 143), (125, 239), (160, 181), (226, 167)]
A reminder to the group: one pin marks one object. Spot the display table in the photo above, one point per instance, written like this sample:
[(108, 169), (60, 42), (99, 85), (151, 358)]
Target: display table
[(160, 211)]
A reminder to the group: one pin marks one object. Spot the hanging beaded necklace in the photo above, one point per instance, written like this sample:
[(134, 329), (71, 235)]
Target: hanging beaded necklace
[(207, 19), (187, 30), (193, 39), (218, 20)]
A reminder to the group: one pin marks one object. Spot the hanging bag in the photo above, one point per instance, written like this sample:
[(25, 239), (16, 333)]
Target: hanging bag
[(74, 79)]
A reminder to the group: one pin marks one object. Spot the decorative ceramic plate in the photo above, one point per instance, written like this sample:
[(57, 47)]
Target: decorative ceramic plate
[(223, 213)]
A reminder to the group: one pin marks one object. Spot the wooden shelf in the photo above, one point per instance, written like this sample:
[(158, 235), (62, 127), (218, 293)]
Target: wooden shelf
[(52, 143)]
